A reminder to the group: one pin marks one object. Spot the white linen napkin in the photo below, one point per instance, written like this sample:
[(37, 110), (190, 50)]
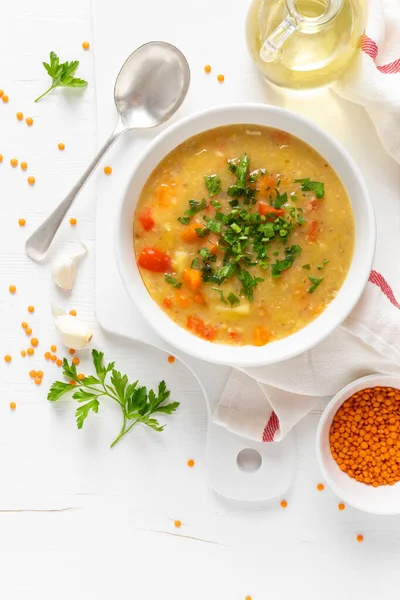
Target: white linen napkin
[(264, 403)]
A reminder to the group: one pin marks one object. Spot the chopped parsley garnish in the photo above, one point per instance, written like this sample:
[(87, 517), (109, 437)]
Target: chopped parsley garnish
[(246, 238), (312, 186), (307, 266), (213, 184), (174, 282), (315, 283), (195, 207), (324, 262)]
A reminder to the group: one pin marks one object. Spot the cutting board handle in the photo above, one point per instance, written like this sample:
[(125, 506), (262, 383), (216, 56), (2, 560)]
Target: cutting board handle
[(240, 468)]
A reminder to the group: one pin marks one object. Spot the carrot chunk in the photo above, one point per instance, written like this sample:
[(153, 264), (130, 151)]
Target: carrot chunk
[(182, 299), (164, 195), (313, 231), (200, 328), (269, 211), (192, 278), (189, 234), (261, 336)]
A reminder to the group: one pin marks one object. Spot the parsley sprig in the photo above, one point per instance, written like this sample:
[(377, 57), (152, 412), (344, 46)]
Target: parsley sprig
[(62, 74), (138, 405)]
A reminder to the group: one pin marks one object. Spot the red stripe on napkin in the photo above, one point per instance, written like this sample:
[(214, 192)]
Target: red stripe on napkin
[(271, 428), (371, 48), (381, 282)]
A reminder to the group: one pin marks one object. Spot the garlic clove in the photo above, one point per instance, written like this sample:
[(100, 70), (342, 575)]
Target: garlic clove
[(74, 333), (64, 268)]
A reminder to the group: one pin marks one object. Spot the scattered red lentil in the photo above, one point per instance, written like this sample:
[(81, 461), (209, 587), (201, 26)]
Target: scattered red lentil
[(19, 116), (177, 524), (365, 436), (72, 313), (341, 506), (40, 374), (221, 77), (190, 463), (24, 325), (171, 359), (61, 146), (34, 342), (1, 158), (21, 222), (72, 382), (12, 289), (32, 374), (248, 598), (320, 487), (47, 355), (30, 351), (53, 348), (207, 68), (23, 353), (72, 221), (107, 170), (13, 406), (28, 331), (38, 381), (76, 361), (85, 45), (59, 362), (29, 121), (24, 165), (14, 162), (283, 503), (5, 98), (360, 538), (7, 358), (81, 376), (31, 180), (71, 351), (1, 93), (31, 309), (53, 358)]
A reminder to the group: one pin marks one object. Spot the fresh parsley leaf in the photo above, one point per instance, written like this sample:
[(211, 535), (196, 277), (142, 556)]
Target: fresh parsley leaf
[(248, 282), (213, 184), (174, 282), (324, 263), (282, 265), (316, 186), (233, 300), (62, 74), (307, 266), (136, 403), (316, 282), (205, 253), (195, 207), (83, 411), (184, 220), (221, 294), (215, 203), (213, 225), (280, 199), (195, 264)]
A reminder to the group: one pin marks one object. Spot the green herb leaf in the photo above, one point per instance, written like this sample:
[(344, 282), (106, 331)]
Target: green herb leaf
[(316, 282), (280, 199), (184, 220), (233, 300), (62, 74), (213, 184), (316, 186), (137, 405), (195, 264), (307, 266), (172, 281), (221, 294)]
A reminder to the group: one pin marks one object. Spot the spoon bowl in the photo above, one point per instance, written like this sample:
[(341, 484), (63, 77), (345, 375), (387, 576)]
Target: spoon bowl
[(150, 87)]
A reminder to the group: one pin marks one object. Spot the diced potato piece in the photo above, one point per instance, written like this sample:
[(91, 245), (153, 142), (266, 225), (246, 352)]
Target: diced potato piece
[(180, 261), (242, 310)]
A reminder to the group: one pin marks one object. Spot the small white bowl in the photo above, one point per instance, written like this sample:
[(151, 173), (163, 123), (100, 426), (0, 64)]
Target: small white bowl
[(383, 500), (349, 293)]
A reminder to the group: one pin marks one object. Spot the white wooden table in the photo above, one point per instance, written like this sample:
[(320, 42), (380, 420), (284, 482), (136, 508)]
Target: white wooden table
[(78, 520)]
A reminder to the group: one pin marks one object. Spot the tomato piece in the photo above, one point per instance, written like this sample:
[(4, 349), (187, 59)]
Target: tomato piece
[(269, 211), (200, 328), (154, 259), (313, 231), (146, 219)]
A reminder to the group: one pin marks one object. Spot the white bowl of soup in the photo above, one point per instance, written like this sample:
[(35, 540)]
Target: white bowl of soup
[(246, 235)]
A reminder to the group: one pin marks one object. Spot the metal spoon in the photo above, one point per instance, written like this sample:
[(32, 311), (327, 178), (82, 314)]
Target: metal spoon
[(149, 89)]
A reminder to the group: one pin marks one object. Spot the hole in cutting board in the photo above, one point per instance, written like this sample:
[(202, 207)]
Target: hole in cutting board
[(249, 460)]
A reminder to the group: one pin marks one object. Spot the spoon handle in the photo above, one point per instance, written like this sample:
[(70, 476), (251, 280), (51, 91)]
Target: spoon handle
[(38, 244)]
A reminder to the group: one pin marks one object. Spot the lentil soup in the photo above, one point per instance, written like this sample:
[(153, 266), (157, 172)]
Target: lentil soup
[(243, 234)]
